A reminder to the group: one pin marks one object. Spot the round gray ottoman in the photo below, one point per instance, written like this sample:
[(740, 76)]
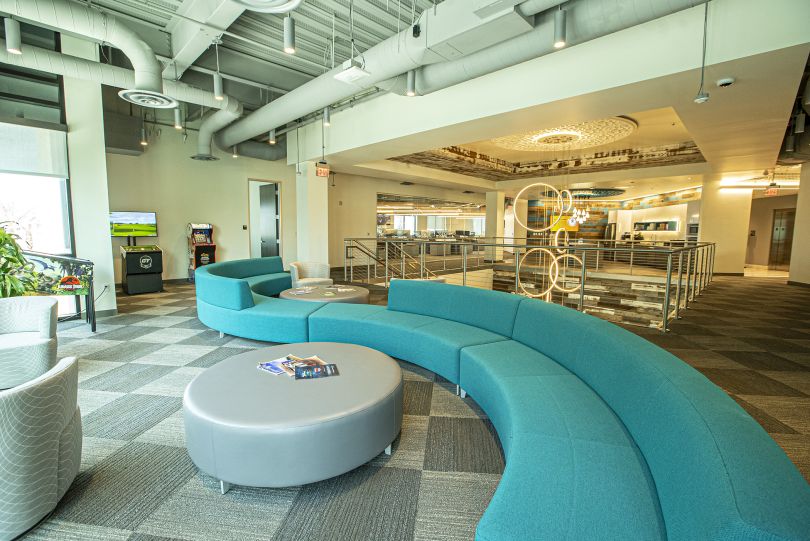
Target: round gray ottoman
[(248, 427), (356, 295)]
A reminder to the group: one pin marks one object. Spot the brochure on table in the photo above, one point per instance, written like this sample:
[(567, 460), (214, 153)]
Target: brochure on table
[(299, 367)]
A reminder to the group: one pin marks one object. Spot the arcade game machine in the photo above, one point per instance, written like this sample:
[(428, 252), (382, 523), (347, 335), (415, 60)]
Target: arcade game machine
[(201, 247), (141, 266)]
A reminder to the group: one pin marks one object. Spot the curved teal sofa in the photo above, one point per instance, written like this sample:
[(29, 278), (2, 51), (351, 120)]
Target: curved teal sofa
[(605, 435)]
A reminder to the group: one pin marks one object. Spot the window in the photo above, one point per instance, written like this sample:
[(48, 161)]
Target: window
[(408, 223), (36, 210)]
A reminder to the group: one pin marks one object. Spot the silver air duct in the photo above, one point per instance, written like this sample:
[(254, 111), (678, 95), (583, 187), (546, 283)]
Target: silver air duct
[(79, 68), (66, 16), (455, 29), (589, 19)]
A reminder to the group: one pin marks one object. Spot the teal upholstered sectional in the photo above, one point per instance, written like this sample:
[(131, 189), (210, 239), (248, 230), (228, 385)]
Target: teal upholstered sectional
[(605, 435)]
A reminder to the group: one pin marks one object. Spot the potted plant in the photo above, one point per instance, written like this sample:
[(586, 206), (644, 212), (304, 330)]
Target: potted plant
[(17, 275)]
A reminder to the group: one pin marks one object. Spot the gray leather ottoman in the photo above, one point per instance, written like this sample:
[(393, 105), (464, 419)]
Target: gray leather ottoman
[(248, 427), (356, 295)]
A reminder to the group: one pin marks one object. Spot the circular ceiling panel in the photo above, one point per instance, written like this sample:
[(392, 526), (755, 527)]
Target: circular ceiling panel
[(573, 136), (270, 6)]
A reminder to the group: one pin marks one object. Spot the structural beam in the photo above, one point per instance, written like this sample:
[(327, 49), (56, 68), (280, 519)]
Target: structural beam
[(190, 40)]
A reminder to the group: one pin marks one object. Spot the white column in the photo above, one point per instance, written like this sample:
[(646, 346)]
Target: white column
[(88, 173), (724, 218), (800, 253), (312, 214), (522, 214), (494, 225)]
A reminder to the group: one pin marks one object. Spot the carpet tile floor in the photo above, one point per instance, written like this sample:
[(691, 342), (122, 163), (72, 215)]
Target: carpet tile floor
[(750, 336)]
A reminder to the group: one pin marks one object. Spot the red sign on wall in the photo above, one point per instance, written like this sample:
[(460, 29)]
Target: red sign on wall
[(322, 169)]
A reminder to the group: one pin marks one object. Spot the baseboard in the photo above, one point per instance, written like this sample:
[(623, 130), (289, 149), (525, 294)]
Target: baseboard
[(728, 274), (800, 284)]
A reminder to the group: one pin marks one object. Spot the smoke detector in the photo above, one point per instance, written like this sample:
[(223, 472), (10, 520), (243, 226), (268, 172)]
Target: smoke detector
[(702, 97), (205, 157), (148, 98)]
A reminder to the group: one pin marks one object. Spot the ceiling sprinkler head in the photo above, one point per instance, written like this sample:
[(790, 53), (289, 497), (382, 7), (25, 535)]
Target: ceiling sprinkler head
[(702, 97)]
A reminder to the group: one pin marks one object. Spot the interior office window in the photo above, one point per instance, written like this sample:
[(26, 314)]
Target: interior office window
[(408, 223)]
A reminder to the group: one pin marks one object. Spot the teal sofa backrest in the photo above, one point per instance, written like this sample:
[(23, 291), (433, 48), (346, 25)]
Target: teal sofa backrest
[(717, 472), (490, 310), (222, 291), (245, 268)]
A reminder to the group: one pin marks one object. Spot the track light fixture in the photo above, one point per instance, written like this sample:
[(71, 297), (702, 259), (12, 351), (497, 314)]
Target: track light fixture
[(790, 143), (327, 120), (289, 34), (798, 125), (178, 120), (559, 28), (271, 137), (411, 89), (235, 153), (13, 39), (144, 141)]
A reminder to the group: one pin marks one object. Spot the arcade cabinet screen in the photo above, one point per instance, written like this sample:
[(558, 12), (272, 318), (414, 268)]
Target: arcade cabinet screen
[(133, 224)]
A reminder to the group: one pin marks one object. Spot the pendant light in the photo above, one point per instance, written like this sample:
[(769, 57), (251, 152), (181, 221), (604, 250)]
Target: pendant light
[(703, 96), (218, 93), (178, 120), (411, 88), (13, 39), (271, 137), (798, 125), (289, 34), (235, 153), (327, 120), (559, 28)]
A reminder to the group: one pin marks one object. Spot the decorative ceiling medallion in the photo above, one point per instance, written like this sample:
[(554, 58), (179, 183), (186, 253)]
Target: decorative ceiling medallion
[(571, 137)]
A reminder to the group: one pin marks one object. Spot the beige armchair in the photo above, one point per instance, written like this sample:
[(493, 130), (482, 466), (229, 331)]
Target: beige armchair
[(27, 339), (305, 273), (40, 446)]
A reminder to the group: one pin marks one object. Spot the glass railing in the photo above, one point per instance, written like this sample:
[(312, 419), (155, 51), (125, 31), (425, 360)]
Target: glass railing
[(635, 282)]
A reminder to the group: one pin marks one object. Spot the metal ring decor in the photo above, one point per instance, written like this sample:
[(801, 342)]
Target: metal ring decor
[(559, 260), (559, 206), (553, 272), (557, 240), (551, 275), (567, 196)]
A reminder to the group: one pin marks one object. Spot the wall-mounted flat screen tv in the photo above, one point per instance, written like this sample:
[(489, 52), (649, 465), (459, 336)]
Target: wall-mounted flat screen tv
[(133, 224)]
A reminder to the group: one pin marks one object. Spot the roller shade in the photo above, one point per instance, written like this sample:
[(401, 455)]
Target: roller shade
[(33, 151)]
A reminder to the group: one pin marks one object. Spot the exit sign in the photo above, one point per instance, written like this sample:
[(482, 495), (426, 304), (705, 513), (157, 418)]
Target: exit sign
[(322, 169), (771, 191)]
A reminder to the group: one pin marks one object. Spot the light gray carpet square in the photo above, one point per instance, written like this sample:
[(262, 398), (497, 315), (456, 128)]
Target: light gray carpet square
[(124, 352), (174, 355), (210, 359), (89, 369), (85, 347), (170, 335), (90, 401), (451, 504), (409, 448), (162, 321), (170, 431), (61, 530), (172, 384), (445, 402), (208, 338), (241, 514)]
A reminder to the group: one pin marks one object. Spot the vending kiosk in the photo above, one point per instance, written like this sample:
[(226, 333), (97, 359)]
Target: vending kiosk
[(201, 247)]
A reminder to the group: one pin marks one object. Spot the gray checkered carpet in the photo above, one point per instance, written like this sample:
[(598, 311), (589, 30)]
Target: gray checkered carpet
[(750, 336), (137, 482)]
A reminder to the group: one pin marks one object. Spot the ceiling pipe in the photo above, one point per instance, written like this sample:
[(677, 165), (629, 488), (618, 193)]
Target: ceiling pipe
[(589, 19), (71, 18), (47, 61), (396, 55)]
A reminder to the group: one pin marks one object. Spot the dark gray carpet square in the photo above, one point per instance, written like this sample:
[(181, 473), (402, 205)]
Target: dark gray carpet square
[(128, 333), (417, 397), (462, 444), (341, 508), (761, 360), (187, 312), (776, 345), (123, 490), (124, 319), (192, 324), (124, 353), (207, 338), (768, 422), (213, 357), (748, 382), (129, 416), (126, 378)]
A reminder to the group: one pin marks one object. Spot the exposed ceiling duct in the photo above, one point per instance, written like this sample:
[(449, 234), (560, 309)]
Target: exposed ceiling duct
[(269, 6), (80, 20), (455, 30), (79, 68), (589, 19)]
